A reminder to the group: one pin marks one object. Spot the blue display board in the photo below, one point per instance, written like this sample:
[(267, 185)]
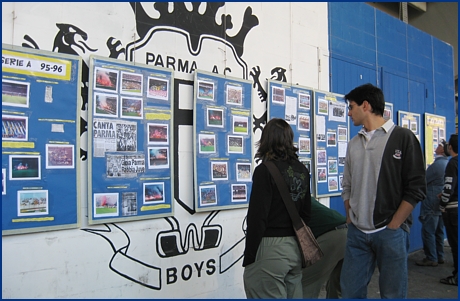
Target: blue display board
[(331, 135), (294, 104), (223, 142), (410, 121), (130, 123), (40, 140)]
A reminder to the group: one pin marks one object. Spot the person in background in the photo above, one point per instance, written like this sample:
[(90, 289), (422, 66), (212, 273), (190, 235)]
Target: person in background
[(272, 259), (430, 214), (383, 180), (330, 230), (449, 206)]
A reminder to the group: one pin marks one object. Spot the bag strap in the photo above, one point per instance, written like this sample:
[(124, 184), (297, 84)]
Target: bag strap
[(283, 188)]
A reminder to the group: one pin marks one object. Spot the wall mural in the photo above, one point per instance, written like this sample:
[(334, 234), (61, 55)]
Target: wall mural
[(197, 28)]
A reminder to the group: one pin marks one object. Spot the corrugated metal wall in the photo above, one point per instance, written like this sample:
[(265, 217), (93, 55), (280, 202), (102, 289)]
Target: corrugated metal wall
[(414, 70)]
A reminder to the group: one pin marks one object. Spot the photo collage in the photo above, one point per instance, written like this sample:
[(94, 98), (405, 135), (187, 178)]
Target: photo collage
[(294, 104), (39, 142), (131, 141), (223, 142), (331, 141)]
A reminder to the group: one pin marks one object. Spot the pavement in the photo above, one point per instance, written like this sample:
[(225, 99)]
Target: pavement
[(423, 281)]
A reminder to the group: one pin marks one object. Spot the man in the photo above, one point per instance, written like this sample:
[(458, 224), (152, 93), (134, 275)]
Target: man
[(449, 206), (430, 214), (384, 179), (330, 230)]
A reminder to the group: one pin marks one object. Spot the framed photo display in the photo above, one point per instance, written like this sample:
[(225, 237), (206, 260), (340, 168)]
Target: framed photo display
[(223, 140)]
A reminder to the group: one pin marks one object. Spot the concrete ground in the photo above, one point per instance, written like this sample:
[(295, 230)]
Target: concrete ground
[(423, 281)]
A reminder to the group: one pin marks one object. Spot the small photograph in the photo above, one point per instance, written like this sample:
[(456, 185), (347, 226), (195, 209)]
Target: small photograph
[(158, 133), (332, 167), (342, 134), (341, 181), (105, 204), (442, 134), (206, 90), (331, 139), (208, 195), (304, 101), (435, 133), (405, 123), (128, 203), (386, 114), (105, 105), (321, 156), (215, 117), (304, 145), (131, 83), (219, 171), (290, 110), (243, 172), (320, 137), (413, 127), (323, 107), (33, 202), (207, 143), (234, 95), (304, 122), (14, 128), (235, 144), (333, 184), (158, 88), (338, 111), (132, 107), (239, 193), (341, 160), (158, 157), (154, 193), (322, 175), (24, 167), (15, 94), (306, 162), (126, 133), (240, 125), (278, 95), (106, 79), (59, 156), (3, 181)]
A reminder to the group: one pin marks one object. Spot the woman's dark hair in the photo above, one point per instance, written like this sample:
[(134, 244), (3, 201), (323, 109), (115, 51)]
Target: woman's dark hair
[(372, 94), (277, 142), (453, 142)]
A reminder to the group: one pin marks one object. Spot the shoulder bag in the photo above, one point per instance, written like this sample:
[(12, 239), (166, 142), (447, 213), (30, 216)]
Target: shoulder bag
[(309, 247)]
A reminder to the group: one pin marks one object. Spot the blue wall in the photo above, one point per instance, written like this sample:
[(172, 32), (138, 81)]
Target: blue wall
[(414, 70)]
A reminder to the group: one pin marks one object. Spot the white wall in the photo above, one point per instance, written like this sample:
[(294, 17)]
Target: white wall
[(80, 264)]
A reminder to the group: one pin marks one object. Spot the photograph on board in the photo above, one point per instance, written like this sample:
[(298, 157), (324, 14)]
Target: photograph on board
[(15, 93)]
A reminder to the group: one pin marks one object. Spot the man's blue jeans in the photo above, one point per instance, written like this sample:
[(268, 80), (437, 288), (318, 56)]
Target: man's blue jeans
[(432, 236), (388, 249)]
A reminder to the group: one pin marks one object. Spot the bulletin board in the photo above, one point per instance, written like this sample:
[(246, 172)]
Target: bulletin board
[(410, 121), (130, 125), (293, 104), (435, 132), (223, 142), (331, 135), (40, 140)]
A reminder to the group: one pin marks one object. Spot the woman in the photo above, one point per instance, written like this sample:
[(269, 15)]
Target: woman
[(272, 259)]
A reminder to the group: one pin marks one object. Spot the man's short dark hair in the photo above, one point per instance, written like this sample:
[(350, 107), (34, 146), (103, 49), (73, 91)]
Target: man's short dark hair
[(372, 94), (453, 142)]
